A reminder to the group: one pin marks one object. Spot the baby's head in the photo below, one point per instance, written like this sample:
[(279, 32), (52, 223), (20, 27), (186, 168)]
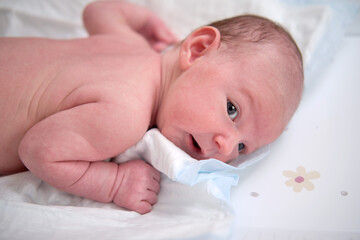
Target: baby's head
[(232, 87), (249, 34)]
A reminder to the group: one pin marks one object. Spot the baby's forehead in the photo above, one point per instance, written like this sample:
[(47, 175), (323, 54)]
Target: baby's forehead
[(267, 61), (262, 64)]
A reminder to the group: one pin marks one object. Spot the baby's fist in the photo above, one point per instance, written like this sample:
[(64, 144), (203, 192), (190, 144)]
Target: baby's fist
[(140, 184)]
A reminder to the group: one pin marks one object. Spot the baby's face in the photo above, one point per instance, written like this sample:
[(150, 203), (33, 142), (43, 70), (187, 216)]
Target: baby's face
[(219, 108)]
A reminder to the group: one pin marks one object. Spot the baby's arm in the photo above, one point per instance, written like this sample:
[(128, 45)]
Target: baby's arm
[(118, 17), (65, 150)]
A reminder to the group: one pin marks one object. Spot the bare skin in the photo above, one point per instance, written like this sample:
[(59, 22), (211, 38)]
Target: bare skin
[(66, 105)]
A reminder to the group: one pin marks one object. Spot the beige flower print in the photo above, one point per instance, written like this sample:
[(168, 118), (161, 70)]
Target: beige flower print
[(300, 179)]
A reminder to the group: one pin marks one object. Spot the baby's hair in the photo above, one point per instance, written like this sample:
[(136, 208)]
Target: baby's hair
[(252, 28), (255, 29)]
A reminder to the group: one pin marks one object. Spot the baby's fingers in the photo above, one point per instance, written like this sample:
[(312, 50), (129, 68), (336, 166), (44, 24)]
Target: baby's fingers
[(145, 206), (154, 185), (166, 36), (151, 198), (162, 32), (157, 175)]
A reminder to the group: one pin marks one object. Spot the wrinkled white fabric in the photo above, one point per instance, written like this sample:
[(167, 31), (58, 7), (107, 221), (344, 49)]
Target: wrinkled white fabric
[(31, 209), (179, 166)]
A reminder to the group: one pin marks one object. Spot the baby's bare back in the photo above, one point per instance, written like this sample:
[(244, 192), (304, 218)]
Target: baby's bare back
[(41, 77)]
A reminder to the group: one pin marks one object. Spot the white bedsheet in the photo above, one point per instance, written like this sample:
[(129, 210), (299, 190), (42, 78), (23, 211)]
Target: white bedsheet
[(322, 138), (31, 209)]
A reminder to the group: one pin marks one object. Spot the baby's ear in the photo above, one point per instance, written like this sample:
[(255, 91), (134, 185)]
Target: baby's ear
[(199, 43)]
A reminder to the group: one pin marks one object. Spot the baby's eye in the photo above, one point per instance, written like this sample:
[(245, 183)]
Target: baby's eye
[(241, 147), (231, 110)]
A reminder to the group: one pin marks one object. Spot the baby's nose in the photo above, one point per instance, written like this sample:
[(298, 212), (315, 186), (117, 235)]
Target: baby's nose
[(225, 144)]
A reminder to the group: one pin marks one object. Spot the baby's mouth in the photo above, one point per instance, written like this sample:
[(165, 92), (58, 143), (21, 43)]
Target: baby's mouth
[(196, 145)]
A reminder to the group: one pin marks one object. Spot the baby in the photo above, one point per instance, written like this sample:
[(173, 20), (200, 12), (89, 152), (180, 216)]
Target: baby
[(66, 105)]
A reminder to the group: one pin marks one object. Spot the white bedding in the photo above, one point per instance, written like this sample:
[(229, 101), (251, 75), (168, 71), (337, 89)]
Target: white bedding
[(321, 138)]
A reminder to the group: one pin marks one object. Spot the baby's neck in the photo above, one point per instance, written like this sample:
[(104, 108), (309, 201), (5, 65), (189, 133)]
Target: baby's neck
[(170, 71)]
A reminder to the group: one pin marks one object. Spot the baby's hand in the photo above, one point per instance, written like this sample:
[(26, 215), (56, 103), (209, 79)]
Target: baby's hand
[(157, 33), (109, 17), (139, 186)]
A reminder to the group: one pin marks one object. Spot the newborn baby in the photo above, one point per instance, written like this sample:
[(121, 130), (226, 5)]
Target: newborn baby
[(66, 105)]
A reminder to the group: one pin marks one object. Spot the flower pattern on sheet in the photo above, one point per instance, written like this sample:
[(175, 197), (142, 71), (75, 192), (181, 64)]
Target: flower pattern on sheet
[(301, 179)]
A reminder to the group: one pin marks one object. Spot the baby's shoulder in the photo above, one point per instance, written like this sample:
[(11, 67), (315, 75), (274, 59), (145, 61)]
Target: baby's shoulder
[(114, 43)]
